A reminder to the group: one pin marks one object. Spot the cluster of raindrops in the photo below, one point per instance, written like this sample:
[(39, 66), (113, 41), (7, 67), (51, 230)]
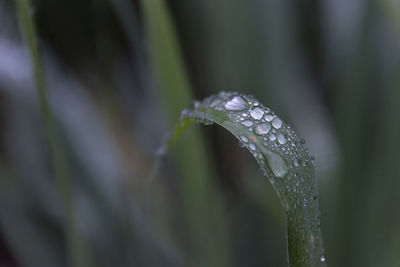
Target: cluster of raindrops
[(283, 158), (265, 124), (264, 129)]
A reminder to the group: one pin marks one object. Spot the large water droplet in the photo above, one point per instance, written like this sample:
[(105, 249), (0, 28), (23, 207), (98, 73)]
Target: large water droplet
[(236, 103), (257, 113), (276, 162), (269, 117), (282, 138), (277, 123), (262, 128), (247, 123)]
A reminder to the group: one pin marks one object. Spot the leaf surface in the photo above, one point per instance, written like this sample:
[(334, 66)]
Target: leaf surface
[(283, 160)]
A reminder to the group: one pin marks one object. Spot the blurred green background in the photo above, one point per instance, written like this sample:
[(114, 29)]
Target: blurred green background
[(118, 73)]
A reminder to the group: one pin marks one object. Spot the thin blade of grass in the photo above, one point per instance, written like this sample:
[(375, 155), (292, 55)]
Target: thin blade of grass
[(75, 246), (202, 207), (282, 158)]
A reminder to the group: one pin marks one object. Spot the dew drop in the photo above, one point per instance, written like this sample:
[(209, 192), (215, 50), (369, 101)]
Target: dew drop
[(282, 139), (215, 102), (236, 103), (247, 123), (252, 146), (276, 163), (272, 137), (262, 128), (244, 139), (277, 123), (207, 122), (257, 113), (323, 259), (296, 162), (269, 117)]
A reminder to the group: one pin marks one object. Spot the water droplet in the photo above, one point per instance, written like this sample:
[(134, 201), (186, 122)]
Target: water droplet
[(257, 113), (276, 163), (262, 128), (269, 117), (282, 138), (277, 123), (215, 102), (323, 259), (252, 146), (302, 141), (247, 123), (296, 162), (236, 103), (272, 137), (244, 139)]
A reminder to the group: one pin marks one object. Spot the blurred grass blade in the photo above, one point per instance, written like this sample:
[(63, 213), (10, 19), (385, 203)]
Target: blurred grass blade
[(391, 9), (74, 244), (167, 61), (208, 238), (283, 159)]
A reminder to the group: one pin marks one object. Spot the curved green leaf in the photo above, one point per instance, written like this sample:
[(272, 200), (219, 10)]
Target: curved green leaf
[(283, 160)]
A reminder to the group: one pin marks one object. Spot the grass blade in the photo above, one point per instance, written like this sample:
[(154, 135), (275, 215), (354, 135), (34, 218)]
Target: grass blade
[(202, 208), (74, 243), (283, 159)]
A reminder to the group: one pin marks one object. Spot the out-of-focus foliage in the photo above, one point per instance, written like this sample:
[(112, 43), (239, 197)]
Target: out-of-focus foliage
[(331, 68)]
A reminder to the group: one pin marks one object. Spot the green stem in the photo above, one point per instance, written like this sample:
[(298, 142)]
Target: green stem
[(74, 245), (305, 246)]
